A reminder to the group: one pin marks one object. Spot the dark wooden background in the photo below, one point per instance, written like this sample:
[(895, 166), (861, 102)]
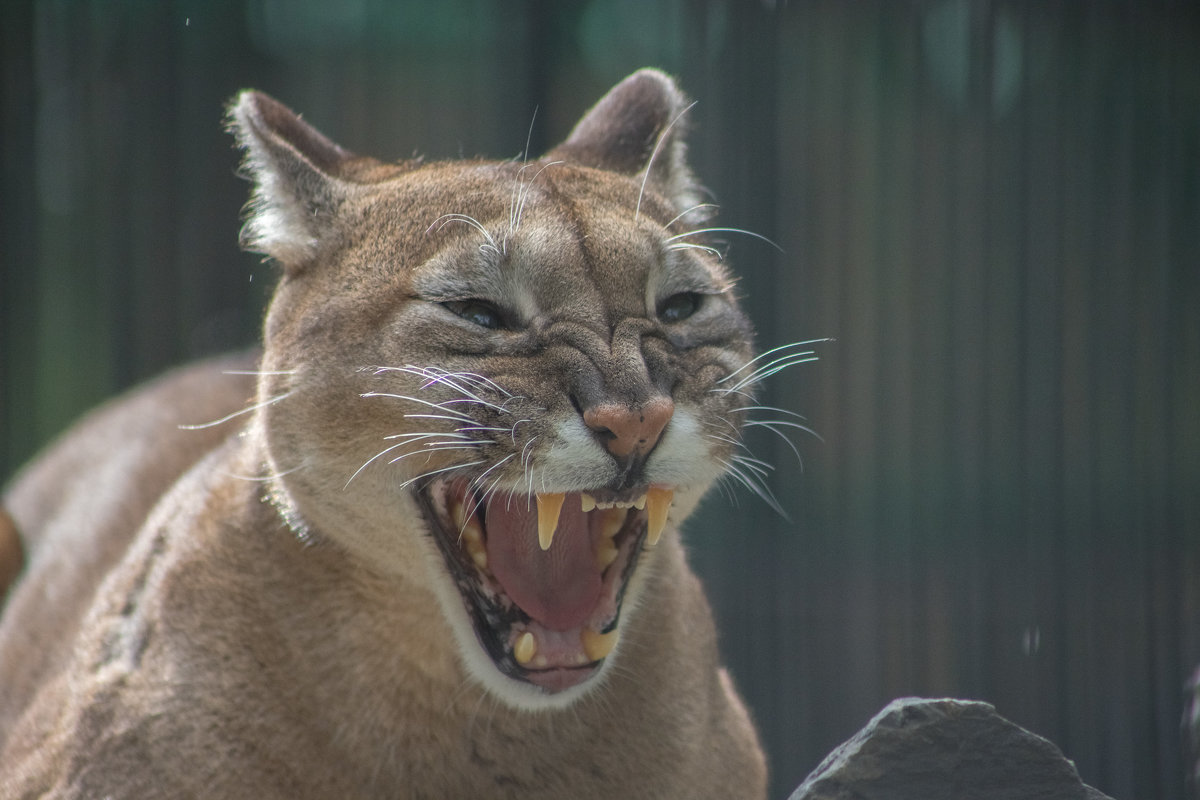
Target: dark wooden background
[(992, 207)]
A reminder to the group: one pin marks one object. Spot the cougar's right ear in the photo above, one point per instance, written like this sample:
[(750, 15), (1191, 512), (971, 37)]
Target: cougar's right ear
[(639, 129), (297, 191)]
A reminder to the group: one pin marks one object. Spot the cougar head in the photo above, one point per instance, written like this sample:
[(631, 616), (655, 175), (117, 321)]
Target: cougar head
[(502, 381)]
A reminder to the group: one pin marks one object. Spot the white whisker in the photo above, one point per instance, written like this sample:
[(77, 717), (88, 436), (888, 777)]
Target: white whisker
[(754, 484), (772, 409), (381, 453), (742, 231), (439, 406), (683, 214), (483, 474), (415, 436), (446, 219), (437, 416), (235, 414), (654, 154), (777, 363), (523, 198), (428, 446), (450, 468), (712, 251), (258, 372), (263, 478)]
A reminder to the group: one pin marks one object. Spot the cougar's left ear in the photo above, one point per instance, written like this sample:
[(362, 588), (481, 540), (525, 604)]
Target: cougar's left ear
[(297, 191), (639, 125)]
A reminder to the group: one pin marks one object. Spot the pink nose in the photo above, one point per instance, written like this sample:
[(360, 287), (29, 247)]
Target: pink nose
[(627, 431)]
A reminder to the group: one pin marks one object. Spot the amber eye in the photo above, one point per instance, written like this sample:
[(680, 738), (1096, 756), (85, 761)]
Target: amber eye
[(478, 312), (679, 307)]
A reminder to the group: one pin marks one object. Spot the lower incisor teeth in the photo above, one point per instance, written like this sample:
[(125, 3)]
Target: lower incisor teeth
[(598, 645)]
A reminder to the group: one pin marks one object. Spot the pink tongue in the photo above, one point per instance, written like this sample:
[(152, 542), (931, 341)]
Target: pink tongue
[(559, 587)]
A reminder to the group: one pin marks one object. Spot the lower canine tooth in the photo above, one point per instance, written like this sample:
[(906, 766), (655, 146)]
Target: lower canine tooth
[(458, 514), (658, 503), (606, 553), (549, 505), (598, 645), (525, 648), (472, 539), (611, 522)]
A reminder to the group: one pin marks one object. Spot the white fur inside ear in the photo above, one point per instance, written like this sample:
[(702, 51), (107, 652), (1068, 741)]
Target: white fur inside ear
[(278, 223), (296, 196)]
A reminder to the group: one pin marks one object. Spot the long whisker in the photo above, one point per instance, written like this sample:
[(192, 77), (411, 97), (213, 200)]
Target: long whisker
[(683, 214), (446, 219), (415, 436), (380, 454), (789, 358), (436, 416), (772, 424), (483, 474), (427, 446), (524, 196), (712, 251), (439, 406), (452, 379), (773, 367), (743, 231), (753, 483), (529, 136), (654, 154), (772, 409), (264, 478), (424, 475), (259, 372), (227, 417)]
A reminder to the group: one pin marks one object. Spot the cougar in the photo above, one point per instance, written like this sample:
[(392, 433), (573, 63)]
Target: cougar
[(425, 543)]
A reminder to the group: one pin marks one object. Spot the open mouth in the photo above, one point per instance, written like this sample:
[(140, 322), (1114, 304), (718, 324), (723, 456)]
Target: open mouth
[(542, 577)]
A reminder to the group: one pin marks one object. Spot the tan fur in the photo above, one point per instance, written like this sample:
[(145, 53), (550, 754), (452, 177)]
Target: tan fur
[(266, 607)]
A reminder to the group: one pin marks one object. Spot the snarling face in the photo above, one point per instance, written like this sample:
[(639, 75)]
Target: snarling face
[(526, 374)]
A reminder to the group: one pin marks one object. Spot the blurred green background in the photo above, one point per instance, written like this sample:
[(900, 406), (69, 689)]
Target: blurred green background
[(993, 208)]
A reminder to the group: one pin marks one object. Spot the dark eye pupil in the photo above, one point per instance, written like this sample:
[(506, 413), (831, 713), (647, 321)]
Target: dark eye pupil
[(479, 312), (678, 307)]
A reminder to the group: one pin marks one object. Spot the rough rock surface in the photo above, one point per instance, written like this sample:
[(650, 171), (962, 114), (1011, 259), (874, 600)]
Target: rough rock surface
[(918, 749)]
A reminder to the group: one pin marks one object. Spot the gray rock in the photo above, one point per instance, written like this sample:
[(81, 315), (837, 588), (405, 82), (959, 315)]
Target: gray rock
[(918, 749)]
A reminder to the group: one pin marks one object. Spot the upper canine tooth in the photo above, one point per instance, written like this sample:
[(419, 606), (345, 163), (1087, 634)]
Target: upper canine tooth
[(658, 503), (598, 645), (587, 502), (549, 505)]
